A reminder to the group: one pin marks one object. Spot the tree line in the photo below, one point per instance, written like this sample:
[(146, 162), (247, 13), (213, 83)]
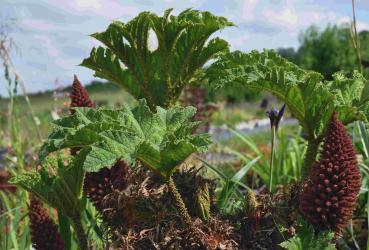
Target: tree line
[(328, 50)]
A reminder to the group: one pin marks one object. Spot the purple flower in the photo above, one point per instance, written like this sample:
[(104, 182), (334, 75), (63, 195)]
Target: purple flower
[(275, 116)]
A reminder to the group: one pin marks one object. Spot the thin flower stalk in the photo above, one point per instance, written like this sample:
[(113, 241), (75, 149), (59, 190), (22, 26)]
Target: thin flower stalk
[(275, 117)]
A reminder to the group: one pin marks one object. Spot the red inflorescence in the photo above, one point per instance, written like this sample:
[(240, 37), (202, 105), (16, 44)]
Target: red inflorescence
[(98, 185), (44, 233), (328, 197), (79, 98), (79, 95)]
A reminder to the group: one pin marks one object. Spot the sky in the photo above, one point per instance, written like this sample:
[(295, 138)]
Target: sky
[(52, 36)]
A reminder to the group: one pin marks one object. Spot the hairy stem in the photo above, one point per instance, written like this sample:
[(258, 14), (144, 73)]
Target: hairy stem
[(272, 158), (64, 228), (310, 156), (178, 201), (81, 235)]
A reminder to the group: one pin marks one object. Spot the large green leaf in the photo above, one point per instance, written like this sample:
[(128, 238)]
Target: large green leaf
[(160, 140), (62, 189), (310, 99), (159, 75)]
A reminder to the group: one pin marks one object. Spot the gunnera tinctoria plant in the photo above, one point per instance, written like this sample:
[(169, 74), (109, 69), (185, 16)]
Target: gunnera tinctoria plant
[(97, 184), (185, 43), (79, 98), (44, 232), (328, 197)]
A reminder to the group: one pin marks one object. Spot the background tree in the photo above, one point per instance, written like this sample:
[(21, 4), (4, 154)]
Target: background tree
[(288, 53), (328, 51)]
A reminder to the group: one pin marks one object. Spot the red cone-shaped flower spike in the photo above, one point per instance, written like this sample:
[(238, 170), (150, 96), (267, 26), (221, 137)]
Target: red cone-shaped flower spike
[(79, 98), (79, 95), (44, 232), (328, 197), (98, 185)]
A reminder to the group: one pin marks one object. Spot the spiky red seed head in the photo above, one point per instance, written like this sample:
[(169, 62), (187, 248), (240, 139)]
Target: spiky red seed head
[(328, 197), (44, 232), (79, 96), (98, 185)]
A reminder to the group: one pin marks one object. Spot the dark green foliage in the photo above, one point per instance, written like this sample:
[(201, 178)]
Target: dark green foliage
[(328, 51), (158, 75), (233, 94), (289, 53)]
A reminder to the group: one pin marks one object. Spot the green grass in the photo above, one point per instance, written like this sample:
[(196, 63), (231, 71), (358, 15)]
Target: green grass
[(261, 138), (44, 104), (289, 154)]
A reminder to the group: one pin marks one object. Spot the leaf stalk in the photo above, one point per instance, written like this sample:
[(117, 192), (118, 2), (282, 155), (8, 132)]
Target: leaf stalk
[(310, 156), (81, 235)]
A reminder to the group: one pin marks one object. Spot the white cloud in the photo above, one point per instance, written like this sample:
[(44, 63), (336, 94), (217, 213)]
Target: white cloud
[(359, 24), (248, 9), (46, 43), (66, 64), (286, 17), (239, 41), (40, 25), (294, 16), (307, 18), (110, 9), (88, 4)]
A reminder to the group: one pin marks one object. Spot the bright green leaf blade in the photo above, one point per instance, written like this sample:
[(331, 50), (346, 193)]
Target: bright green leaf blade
[(161, 140)]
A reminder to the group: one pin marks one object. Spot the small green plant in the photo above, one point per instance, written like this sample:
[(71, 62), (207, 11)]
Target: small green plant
[(160, 74), (288, 161), (231, 199), (308, 239)]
